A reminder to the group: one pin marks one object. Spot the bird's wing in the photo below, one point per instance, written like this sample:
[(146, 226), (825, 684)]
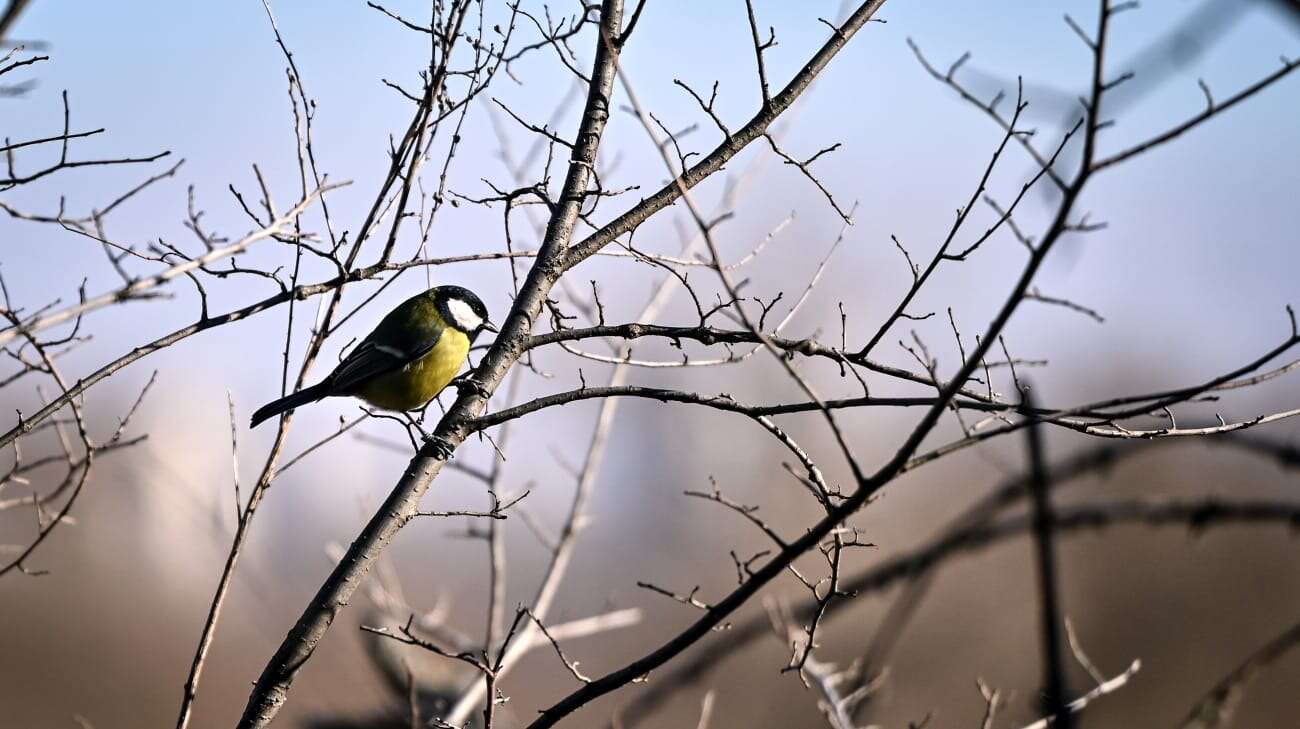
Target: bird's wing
[(373, 358)]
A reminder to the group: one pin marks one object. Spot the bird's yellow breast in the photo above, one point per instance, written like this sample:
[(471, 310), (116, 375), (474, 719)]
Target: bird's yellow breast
[(420, 381)]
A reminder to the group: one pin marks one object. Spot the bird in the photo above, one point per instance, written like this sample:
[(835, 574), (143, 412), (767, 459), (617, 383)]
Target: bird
[(414, 352)]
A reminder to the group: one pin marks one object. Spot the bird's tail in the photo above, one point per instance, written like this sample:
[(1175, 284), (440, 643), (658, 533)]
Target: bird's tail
[(289, 402)]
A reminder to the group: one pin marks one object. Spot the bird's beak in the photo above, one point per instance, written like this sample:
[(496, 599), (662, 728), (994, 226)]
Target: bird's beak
[(491, 327)]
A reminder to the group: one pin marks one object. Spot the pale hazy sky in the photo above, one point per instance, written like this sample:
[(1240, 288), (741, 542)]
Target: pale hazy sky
[(1195, 268)]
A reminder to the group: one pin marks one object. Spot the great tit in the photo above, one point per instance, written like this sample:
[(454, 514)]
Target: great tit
[(407, 360)]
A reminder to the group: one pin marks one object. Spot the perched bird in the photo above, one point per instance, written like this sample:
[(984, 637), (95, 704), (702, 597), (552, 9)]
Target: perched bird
[(407, 360)]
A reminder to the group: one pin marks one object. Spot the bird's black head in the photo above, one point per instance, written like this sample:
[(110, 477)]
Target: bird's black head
[(460, 308)]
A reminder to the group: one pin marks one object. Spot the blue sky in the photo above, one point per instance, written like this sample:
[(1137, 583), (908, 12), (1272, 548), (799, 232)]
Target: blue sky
[(1201, 247)]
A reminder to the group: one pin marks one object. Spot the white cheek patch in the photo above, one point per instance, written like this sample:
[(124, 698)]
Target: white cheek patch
[(464, 315)]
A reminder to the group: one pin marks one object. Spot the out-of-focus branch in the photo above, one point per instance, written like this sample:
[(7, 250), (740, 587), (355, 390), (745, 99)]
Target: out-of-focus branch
[(1050, 614), (1212, 109), (10, 16), (1216, 708)]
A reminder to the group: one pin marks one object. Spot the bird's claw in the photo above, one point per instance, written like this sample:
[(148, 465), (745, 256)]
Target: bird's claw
[(442, 448), (469, 383)]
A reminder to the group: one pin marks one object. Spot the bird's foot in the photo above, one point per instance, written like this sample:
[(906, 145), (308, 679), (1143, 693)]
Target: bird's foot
[(442, 448), (467, 382)]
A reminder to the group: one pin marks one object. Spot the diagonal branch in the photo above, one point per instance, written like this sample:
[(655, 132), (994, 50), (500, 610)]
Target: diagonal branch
[(732, 145)]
